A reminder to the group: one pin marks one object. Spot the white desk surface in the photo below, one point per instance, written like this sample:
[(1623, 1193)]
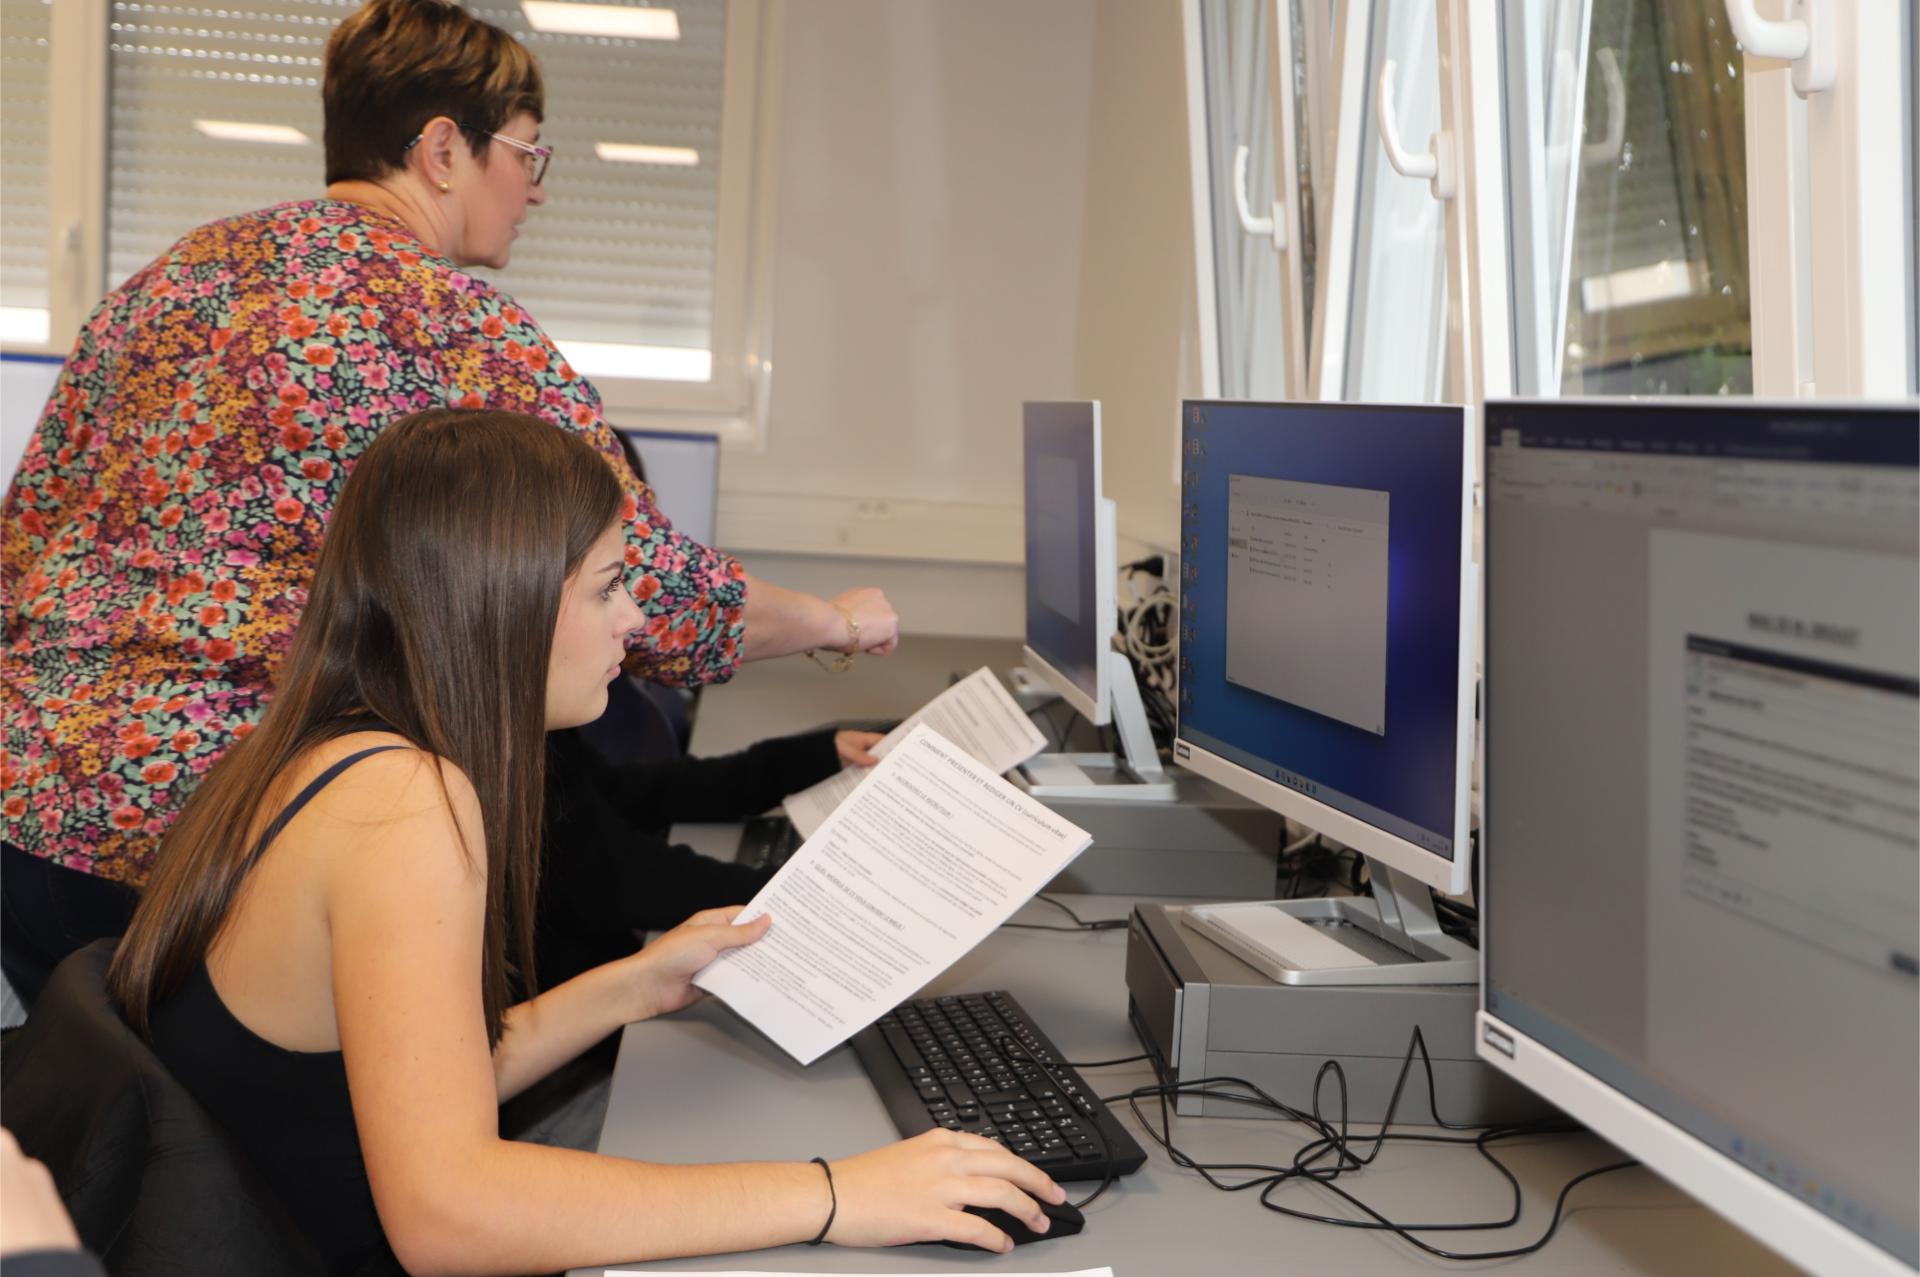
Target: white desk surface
[(702, 1086)]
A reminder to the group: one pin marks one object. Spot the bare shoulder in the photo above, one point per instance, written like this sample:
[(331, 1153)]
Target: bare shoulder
[(402, 798)]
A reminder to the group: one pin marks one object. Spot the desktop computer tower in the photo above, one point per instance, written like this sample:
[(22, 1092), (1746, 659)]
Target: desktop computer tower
[(1208, 843), (1201, 1012)]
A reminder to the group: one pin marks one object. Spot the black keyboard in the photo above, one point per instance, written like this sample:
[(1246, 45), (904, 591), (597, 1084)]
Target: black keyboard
[(935, 1062), (767, 842)]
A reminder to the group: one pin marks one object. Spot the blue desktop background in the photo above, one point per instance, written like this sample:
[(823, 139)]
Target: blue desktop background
[(1415, 455), (1066, 430)]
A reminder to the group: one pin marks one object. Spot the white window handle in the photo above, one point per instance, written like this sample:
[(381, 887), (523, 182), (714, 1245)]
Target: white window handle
[(1270, 226), (1436, 164), (1609, 149), (1808, 39)]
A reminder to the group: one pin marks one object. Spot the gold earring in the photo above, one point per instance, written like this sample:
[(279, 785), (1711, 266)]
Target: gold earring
[(444, 187)]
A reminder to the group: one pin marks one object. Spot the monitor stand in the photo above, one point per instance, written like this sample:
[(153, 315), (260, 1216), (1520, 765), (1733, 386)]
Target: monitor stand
[(1394, 937), (1139, 777)]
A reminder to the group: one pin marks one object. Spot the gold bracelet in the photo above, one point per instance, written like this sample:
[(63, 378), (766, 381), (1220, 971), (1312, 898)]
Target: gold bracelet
[(843, 661)]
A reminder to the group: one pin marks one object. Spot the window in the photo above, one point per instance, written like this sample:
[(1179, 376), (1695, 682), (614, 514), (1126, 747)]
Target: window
[(1381, 313), (1246, 271), (1260, 162), (1627, 180), (638, 262), (26, 30)]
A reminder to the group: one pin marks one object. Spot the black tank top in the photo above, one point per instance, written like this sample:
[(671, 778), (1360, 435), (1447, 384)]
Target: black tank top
[(288, 1110)]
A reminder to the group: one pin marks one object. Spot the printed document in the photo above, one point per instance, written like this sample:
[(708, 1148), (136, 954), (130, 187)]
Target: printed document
[(926, 858), (976, 714), (741, 1272)]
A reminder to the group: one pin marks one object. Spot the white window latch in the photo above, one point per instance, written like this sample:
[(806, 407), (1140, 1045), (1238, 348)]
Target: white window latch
[(1808, 39), (1271, 226), (1435, 164)]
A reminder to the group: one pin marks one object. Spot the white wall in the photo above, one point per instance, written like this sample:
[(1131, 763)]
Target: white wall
[(977, 204), (1138, 334)]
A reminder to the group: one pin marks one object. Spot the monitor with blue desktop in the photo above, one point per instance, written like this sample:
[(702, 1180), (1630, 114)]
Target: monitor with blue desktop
[(1702, 871), (1327, 606)]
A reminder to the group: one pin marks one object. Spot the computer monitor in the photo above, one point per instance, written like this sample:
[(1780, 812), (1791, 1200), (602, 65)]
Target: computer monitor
[(1070, 556), (1701, 884), (1327, 603), (1071, 568), (684, 472)]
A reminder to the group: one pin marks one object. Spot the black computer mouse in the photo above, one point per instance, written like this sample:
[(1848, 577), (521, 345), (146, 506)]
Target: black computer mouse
[(1066, 1217)]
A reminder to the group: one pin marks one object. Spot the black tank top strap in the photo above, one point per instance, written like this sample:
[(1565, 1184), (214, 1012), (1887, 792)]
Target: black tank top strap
[(305, 796)]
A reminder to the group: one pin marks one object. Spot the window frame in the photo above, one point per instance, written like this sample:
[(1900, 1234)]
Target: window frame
[(76, 248), (1832, 250), (731, 404)]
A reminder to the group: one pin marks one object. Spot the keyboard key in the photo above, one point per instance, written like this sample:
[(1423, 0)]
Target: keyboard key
[(903, 1048)]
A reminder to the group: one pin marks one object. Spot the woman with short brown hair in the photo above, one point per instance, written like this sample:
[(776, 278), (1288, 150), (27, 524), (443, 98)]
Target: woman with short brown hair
[(161, 531)]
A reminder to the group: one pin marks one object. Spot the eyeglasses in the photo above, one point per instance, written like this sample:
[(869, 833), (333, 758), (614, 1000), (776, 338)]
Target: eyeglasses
[(533, 158)]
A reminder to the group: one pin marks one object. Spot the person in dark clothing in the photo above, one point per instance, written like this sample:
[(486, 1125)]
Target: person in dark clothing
[(323, 958), (610, 870)]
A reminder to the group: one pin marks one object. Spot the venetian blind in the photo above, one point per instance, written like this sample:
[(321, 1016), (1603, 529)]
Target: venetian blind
[(620, 253)]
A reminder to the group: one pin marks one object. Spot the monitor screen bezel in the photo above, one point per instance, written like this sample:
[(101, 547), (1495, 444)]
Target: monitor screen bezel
[(1451, 875), (1773, 1216), (1095, 704)]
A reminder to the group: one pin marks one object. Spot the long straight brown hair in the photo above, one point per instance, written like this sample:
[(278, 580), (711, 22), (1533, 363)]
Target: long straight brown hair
[(432, 612)]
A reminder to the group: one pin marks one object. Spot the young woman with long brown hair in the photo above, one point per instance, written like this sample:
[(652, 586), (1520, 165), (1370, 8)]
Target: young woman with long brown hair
[(324, 952)]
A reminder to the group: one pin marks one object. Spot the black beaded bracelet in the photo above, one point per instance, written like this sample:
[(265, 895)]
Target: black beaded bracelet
[(833, 1201)]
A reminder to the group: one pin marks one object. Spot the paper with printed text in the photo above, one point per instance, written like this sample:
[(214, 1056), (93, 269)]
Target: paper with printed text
[(929, 855), (976, 713)]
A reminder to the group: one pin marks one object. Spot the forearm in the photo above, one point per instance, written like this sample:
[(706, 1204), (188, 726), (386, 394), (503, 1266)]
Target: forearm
[(528, 1208), (547, 1031), (729, 787), (780, 622)]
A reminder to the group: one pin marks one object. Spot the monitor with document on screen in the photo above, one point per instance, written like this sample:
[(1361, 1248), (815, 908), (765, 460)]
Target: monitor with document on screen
[(1701, 885)]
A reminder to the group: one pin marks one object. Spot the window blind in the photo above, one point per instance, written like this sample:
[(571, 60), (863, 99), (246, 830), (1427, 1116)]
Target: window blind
[(620, 253)]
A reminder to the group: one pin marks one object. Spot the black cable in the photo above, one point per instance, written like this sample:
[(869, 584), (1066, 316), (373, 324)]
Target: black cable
[(1313, 863), (1101, 1064), (1056, 733), (1060, 1089), (1079, 923), (1340, 1144)]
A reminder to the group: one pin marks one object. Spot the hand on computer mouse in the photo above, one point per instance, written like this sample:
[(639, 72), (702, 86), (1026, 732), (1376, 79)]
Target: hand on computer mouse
[(1064, 1220), (919, 1190)]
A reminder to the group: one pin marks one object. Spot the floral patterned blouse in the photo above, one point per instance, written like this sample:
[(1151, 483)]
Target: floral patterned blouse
[(161, 531)]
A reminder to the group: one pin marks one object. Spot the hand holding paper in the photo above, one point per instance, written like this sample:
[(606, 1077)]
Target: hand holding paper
[(976, 714), (916, 867)]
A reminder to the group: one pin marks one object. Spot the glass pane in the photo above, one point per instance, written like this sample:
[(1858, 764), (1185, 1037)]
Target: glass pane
[(25, 29), (1397, 338), (621, 253), (1246, 270), (1629, 211)]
